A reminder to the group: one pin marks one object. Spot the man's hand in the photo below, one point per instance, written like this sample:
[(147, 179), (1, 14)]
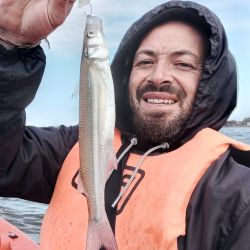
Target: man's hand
[(26, 22)]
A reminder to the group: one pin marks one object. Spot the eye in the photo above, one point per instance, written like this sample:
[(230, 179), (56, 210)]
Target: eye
[(144, 62), (185, 65), (91, 33)]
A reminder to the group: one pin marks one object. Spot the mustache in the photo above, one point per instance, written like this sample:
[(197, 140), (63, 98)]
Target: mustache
[(166, 88)]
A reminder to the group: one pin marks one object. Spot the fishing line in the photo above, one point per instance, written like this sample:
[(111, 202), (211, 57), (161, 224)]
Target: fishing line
[(82, 3), (91, 9)]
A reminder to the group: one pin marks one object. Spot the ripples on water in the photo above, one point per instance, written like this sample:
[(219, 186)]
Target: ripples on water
[(27, 216), (238, 133)]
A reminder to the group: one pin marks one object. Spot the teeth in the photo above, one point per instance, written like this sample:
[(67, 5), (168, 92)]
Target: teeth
[(160, 101)]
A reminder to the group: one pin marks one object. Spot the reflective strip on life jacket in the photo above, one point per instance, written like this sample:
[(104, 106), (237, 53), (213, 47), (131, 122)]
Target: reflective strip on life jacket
[(152, 214)]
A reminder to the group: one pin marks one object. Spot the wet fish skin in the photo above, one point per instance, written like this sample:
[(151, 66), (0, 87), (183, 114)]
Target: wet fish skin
[(96, 132)]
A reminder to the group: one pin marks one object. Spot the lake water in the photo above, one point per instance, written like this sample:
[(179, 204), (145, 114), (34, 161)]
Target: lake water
[(27, 216)]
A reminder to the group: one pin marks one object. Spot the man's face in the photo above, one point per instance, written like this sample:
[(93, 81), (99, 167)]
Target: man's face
[(166, 72)]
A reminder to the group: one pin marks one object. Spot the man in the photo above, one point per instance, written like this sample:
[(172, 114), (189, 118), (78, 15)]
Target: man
[(175, 83)]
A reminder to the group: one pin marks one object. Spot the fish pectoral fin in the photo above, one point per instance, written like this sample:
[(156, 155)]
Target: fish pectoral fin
[(79, 183), (112, 164)]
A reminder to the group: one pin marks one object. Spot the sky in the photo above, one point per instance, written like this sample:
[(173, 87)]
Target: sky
[(56, 102)]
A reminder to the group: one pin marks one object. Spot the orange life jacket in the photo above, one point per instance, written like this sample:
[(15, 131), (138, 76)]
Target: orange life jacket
[(152, 213)]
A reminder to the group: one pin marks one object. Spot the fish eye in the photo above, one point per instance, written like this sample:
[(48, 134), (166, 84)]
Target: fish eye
[(91, 33)]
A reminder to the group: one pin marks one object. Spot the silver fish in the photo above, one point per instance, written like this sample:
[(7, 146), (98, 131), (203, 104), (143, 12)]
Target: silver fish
[(96, 132)]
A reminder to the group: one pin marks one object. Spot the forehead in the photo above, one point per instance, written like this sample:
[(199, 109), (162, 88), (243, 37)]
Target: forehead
[(174, 36)]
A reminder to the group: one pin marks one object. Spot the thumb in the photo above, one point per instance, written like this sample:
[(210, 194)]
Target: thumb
[(58, 10)]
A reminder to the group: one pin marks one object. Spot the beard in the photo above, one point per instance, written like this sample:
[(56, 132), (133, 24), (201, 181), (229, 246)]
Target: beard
[(156, 129), (159, 127)]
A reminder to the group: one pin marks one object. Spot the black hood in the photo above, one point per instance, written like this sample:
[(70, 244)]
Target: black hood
[(217, 92)]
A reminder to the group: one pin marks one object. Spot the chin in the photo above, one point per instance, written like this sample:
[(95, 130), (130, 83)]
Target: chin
[(165, 115)]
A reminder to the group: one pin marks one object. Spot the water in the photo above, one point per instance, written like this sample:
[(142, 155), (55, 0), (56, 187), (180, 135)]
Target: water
[(27, 216), (239, 133)]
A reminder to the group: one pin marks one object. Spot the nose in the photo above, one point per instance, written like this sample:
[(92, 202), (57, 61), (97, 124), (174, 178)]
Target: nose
[(161, 73)]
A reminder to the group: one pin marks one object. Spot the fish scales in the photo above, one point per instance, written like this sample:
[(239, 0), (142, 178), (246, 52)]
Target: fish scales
[(96, 131)]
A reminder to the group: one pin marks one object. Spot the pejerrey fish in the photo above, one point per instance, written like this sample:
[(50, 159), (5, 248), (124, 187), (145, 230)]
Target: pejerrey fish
[(96, 132)]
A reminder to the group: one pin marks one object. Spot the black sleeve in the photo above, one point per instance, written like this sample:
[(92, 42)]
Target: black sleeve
[(240, 232), (218, 214), (30, 157)]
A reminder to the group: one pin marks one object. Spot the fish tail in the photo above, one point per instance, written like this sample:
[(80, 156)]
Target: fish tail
[(100, 236)]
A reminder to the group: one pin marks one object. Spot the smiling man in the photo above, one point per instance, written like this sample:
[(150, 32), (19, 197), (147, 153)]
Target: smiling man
[(163, 81), (175, 86)]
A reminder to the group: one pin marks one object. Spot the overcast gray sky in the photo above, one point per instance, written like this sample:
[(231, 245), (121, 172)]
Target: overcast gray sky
[(54, 104)]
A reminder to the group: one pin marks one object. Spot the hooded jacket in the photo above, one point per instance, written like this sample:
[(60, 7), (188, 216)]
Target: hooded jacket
[(31, 157), (211, 109)]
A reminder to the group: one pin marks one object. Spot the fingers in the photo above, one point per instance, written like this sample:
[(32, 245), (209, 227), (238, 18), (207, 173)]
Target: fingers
[(10, 13), (58, 10)]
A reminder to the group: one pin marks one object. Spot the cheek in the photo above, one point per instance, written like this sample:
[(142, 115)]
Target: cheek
[(133, 84), (138, 76), (191, 90), (189, 84), (131, 92)]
